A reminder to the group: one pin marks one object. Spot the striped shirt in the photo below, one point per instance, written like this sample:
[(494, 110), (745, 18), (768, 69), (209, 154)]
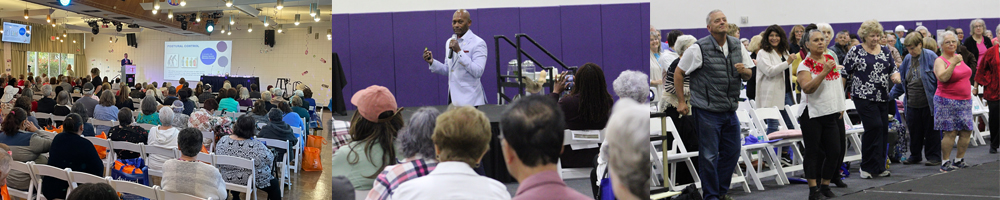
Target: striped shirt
[(394, 175)]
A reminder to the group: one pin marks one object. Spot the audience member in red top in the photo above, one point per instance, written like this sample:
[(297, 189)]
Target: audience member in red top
[(989, 72)]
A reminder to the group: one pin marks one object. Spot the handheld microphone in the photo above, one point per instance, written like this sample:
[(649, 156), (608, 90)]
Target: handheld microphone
[(451, 54)]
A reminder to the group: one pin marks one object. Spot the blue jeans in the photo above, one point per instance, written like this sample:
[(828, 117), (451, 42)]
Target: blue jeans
[(772, 125), (718, 150)]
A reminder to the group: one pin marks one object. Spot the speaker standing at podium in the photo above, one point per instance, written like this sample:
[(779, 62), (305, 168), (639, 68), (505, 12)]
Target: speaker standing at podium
[(125, 61), (464, 64)]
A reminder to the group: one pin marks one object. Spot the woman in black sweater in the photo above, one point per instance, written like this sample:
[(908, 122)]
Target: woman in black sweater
[(70, 150), (586, 107), (977, 38)]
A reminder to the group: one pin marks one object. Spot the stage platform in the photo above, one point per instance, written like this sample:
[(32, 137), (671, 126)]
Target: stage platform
[(981, 181)]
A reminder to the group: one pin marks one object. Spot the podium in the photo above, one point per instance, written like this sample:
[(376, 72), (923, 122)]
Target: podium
[(128, 74)]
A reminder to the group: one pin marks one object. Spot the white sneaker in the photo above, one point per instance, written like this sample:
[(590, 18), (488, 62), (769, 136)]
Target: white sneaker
[(866, 175), (885, 174)]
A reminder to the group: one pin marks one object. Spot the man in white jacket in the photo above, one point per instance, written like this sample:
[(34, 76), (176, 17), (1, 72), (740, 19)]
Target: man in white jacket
[(464, 64)]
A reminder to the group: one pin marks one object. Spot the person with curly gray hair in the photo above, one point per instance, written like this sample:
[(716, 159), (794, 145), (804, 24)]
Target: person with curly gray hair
[(628, 150), (418, 149), (631, 84)]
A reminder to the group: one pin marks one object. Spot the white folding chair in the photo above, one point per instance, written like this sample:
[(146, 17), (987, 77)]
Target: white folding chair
[(209, 158), (57, 118), (283, 163), (296, 158), (146, 126), (97, 122), (211, 136), (25, 168), (169, 152), (676, 154), (979, 110), (135, 189), (761, 114), (853, 133), (248, 188), (793, 113), (766, 154), (176, 196), (579, 139), (108, 160), (129, 146), (83, 177), (42, 170)]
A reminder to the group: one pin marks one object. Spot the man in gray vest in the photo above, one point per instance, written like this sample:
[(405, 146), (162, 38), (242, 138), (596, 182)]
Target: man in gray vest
[(716, 65)]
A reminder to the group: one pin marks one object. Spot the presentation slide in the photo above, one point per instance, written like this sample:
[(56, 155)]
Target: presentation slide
[(18, 33), (191, 59)]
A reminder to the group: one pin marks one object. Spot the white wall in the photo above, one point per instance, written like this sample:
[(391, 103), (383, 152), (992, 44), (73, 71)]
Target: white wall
[(288, 58), (378, 6), (673, 14)]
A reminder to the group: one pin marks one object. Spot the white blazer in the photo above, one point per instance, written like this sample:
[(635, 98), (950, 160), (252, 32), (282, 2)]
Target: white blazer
[(452, 180), (464, 70), (771, 79)]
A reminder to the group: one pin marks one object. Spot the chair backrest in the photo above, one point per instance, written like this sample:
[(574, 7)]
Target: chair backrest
[(161, 150), (41, 115), (745, 105), (82, 177), (100, 142), (58, 118), (126, 145), (744, 118), (850, 106), (281, 144), (135, 189), (24, 168), (176, 196), (145, 126), (793, 113), (209, 158), (241, 163), (261, 125), (677, 146), (97, 122), (760, 114), (42, 170)]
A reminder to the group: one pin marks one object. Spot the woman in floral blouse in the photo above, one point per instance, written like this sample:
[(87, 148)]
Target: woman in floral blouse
[(242, 144), (203, 120), (869, 66), (126, 131)]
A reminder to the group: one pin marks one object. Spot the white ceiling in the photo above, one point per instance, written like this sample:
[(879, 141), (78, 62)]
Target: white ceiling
[(285, 16)]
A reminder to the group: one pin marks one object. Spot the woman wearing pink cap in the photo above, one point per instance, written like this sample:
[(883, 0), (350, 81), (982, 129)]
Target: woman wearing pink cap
[(373, 129)]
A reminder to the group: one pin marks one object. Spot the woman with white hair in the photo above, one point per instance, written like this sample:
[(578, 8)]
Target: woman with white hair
[(953, 100), (628, 150), (669, 101), (977, 42), (869, 66), (630, 84), (244, 98), (923, 31), (164, 135), (46, 104), (416, 146), (266, 97)]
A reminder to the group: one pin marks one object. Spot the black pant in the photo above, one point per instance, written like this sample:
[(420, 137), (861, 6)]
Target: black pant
[(922, 135), (822, 137), (875, 118), (994, 123), (273, 191)]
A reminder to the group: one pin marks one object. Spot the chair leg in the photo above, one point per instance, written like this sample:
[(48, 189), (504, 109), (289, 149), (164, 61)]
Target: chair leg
[(776, 165), (751, 175)]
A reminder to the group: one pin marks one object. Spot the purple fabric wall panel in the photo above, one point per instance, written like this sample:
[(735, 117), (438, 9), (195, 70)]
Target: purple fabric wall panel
[(580, 34), (644, 24), (491, 22), (371, 54), (622, 39), (413, 78), (543, 25), (342, 46)]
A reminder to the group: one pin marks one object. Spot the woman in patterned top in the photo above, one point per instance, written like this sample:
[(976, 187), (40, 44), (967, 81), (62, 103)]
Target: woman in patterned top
[(241, 144), (203, 120), (822, 118), (126, 131), (416, 145), (869, 66)]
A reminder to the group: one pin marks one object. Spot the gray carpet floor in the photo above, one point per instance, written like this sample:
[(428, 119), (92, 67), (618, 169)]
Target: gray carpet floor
[(978, 182)]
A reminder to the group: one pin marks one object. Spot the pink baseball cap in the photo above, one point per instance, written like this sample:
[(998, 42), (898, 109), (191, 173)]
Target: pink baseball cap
[(372, 101)]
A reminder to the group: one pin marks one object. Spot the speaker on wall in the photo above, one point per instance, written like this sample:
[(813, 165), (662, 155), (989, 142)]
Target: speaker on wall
[(131, 40), (269, 38)]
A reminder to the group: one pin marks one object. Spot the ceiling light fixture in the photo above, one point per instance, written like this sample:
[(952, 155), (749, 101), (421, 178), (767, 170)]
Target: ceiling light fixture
[(279, 28), (280, 4), (297, 16), (184, 3), (197, 17), (229, 3), (318, 16), (249, 27), (265, 21), (312, 9), (64, 33), (156, 5), (25, 13), (48, 18), (170, 13), (222, 29), (329, 34), (231, 21), (154, 11), (230, 31)]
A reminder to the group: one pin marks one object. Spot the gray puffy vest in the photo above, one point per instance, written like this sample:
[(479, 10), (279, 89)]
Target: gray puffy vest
[(716, 85)]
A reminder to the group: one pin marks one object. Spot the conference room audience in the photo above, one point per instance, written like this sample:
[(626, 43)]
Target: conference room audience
[(106, 109), (254, 91), (531, 141), (171, 95), (308, 102), (989, 73), (137, 92), (952, 101), (24, 102), (278, 130), (180, 120), (631, 84), (628, 150), (188, 100), (88, 128), (869, 66), (63, 104), (840, 48), (417, 148), (149, 113), (228, 102), (164, 135), (372, 130), (291, 117), (277, 94), (244, 98), (122, 99), (266, 98), (822, 118), (129, 132), (977, 43), (298, 108), (884, 41), (258, 112), (587, 107), (27, 143), (203, 92), (187, 175), (461, 137), (88, 99), (917, 81), (241, 144), (9, 98), (71, 150), (204, 119)]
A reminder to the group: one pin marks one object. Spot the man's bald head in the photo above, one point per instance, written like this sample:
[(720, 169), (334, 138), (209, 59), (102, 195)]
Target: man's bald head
[(463, 14), (460, 22)]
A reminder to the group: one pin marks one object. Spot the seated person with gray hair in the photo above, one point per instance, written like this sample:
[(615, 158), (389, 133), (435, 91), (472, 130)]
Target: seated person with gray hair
[(632, 84), (278, 130), (46, 104), (531, 143), (129, 132), (416, 146), (627, 146), (188, 175), (80, 109), (89, 100)]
